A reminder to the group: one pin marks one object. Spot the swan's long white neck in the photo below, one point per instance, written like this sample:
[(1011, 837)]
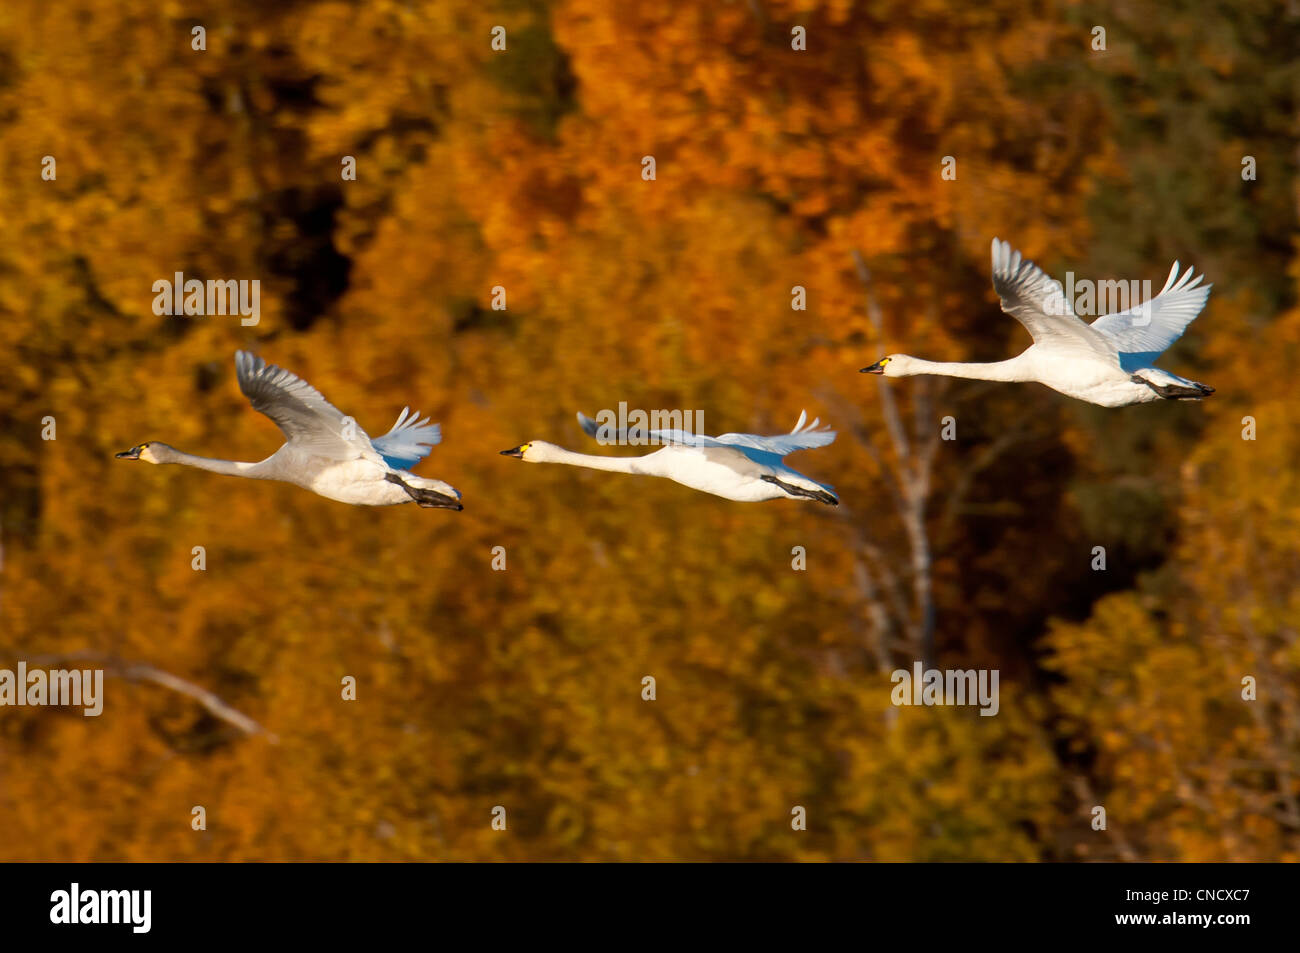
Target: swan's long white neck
[(613, 464), (228, 467), (1010, 370)]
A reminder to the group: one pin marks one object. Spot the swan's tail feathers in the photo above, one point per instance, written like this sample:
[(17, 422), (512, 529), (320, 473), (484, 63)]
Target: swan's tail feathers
[(410, 440), (428, 493), (1171, 386)]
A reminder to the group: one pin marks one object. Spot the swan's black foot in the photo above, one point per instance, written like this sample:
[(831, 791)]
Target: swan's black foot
[(1194, 391), (429, 499), (821, 496)]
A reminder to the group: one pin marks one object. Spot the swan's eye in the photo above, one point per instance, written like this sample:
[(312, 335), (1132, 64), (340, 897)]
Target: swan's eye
[(885, 360)]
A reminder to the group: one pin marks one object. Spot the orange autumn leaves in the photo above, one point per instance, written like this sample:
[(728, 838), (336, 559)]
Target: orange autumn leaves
[(522, 688)]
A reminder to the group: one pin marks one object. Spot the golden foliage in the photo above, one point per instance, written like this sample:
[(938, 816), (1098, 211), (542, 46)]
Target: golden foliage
[(522, 688)]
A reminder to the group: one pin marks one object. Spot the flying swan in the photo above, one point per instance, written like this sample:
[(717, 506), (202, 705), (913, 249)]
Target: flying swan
[(325, 451), (1108, 362), (736, 466)]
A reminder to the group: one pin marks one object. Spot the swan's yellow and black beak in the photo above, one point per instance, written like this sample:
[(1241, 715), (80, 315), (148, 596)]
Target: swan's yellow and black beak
[(132, 454), (516, 452), (876, 368)]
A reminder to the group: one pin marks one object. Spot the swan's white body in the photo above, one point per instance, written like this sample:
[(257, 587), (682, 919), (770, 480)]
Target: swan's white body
[(747, 468), (325, 451), (1108, 362)]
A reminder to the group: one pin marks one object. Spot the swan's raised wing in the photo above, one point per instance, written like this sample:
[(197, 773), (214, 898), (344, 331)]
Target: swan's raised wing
[(1150, 328), (1039, 303), (310, 422), (805, 436), (409, 442)]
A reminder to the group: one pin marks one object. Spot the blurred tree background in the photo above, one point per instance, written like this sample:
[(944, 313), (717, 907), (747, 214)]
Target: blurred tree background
[(521, 168)]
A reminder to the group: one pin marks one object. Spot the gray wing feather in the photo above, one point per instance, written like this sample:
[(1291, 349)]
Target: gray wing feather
[(803, 437), (1038, 302), (309, 422)]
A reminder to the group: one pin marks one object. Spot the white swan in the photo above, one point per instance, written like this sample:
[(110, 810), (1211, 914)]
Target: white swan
[(736, 466), (325, 451), (1107, 362)]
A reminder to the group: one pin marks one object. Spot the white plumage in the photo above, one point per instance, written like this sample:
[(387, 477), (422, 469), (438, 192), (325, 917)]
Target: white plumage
[(325, 451), (736, 466), (1108, 362)]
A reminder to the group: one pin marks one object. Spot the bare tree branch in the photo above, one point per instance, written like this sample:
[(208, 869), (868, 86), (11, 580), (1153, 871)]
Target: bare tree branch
[(893, 422), (913, 473), (141, 672)]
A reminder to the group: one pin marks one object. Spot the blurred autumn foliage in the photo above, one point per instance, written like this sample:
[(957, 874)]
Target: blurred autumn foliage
[(522, 169)]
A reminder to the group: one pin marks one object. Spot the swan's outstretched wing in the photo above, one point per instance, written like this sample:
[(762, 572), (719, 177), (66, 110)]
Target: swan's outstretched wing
[(310, 422), (801, 438), (1038, 302), (1151, 327), (409, 442)]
